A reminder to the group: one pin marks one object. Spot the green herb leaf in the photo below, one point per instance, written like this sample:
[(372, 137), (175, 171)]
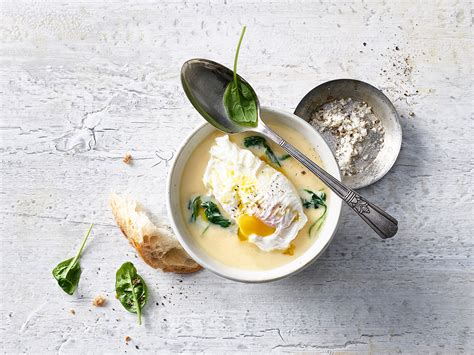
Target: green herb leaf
[(68, 272), (261, 142), (318, 222), (284, 157), (131, 289), (213, 214), (316, 201), (211, 211), (239, 98), (194, 205), (205, 230)]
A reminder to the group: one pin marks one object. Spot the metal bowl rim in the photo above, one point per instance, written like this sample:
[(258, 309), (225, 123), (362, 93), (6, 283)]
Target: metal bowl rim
[(397, 133)]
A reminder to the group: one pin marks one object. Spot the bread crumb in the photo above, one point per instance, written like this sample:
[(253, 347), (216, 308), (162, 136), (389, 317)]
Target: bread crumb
[(99, 301), (127, 339), (73, 312), (127, 159)]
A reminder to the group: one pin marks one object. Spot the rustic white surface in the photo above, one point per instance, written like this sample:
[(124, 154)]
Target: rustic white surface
[(84, 82)]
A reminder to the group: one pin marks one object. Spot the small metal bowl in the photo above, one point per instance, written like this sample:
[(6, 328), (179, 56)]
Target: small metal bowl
[(370, 170)]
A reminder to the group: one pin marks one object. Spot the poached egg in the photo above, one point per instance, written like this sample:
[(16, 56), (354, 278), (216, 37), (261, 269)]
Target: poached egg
[(261, 200)]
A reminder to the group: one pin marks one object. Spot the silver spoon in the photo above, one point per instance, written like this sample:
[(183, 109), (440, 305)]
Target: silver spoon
[(204, 83)]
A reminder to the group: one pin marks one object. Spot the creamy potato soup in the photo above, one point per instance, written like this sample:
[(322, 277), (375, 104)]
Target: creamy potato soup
[(248, 204)]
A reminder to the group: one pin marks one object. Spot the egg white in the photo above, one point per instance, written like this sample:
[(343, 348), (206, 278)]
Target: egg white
[(244, 184)]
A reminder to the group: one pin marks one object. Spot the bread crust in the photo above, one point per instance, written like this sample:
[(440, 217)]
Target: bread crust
[(157, 245)]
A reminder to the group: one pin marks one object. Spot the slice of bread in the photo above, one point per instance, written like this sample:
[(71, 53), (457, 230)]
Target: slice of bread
[(157, 245)]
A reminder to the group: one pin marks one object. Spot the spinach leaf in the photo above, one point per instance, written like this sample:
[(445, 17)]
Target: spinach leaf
[(318, 222), (213, 214), (315, 202), (261, 142), (194, 205), (68, 272), (131, 290), (211, 211), (239, 98)]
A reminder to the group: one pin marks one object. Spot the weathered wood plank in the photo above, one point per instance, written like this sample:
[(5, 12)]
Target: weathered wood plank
[(82, 83)]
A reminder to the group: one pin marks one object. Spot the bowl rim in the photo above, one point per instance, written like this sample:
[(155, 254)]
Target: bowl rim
[(385, 99), (336, 202)]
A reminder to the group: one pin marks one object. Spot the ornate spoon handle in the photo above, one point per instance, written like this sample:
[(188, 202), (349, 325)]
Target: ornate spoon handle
[(380, 221)]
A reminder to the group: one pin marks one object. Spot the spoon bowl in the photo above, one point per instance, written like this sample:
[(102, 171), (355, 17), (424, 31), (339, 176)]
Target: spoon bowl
[(205, 82)]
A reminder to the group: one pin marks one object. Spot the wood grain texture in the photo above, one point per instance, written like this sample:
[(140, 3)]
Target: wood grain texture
[(84, 82)]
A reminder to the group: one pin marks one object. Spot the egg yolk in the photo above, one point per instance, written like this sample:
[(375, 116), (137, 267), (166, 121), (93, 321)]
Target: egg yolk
[(290, 250), (249, 225), (267, 161)]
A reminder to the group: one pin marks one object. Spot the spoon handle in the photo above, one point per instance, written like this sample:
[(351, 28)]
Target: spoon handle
[(380, 221)]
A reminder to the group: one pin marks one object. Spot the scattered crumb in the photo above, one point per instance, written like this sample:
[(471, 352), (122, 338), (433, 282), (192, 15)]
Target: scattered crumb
[(136, 347), (127, 339), (411, 114), (303, 172), (99, 301), (127, 159), (73, 312)]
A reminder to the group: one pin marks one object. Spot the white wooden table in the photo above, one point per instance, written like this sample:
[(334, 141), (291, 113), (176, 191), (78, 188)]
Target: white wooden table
[(84, 82)]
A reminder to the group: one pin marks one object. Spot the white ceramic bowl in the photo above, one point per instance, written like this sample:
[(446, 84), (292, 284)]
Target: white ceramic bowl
[(178, 221)]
